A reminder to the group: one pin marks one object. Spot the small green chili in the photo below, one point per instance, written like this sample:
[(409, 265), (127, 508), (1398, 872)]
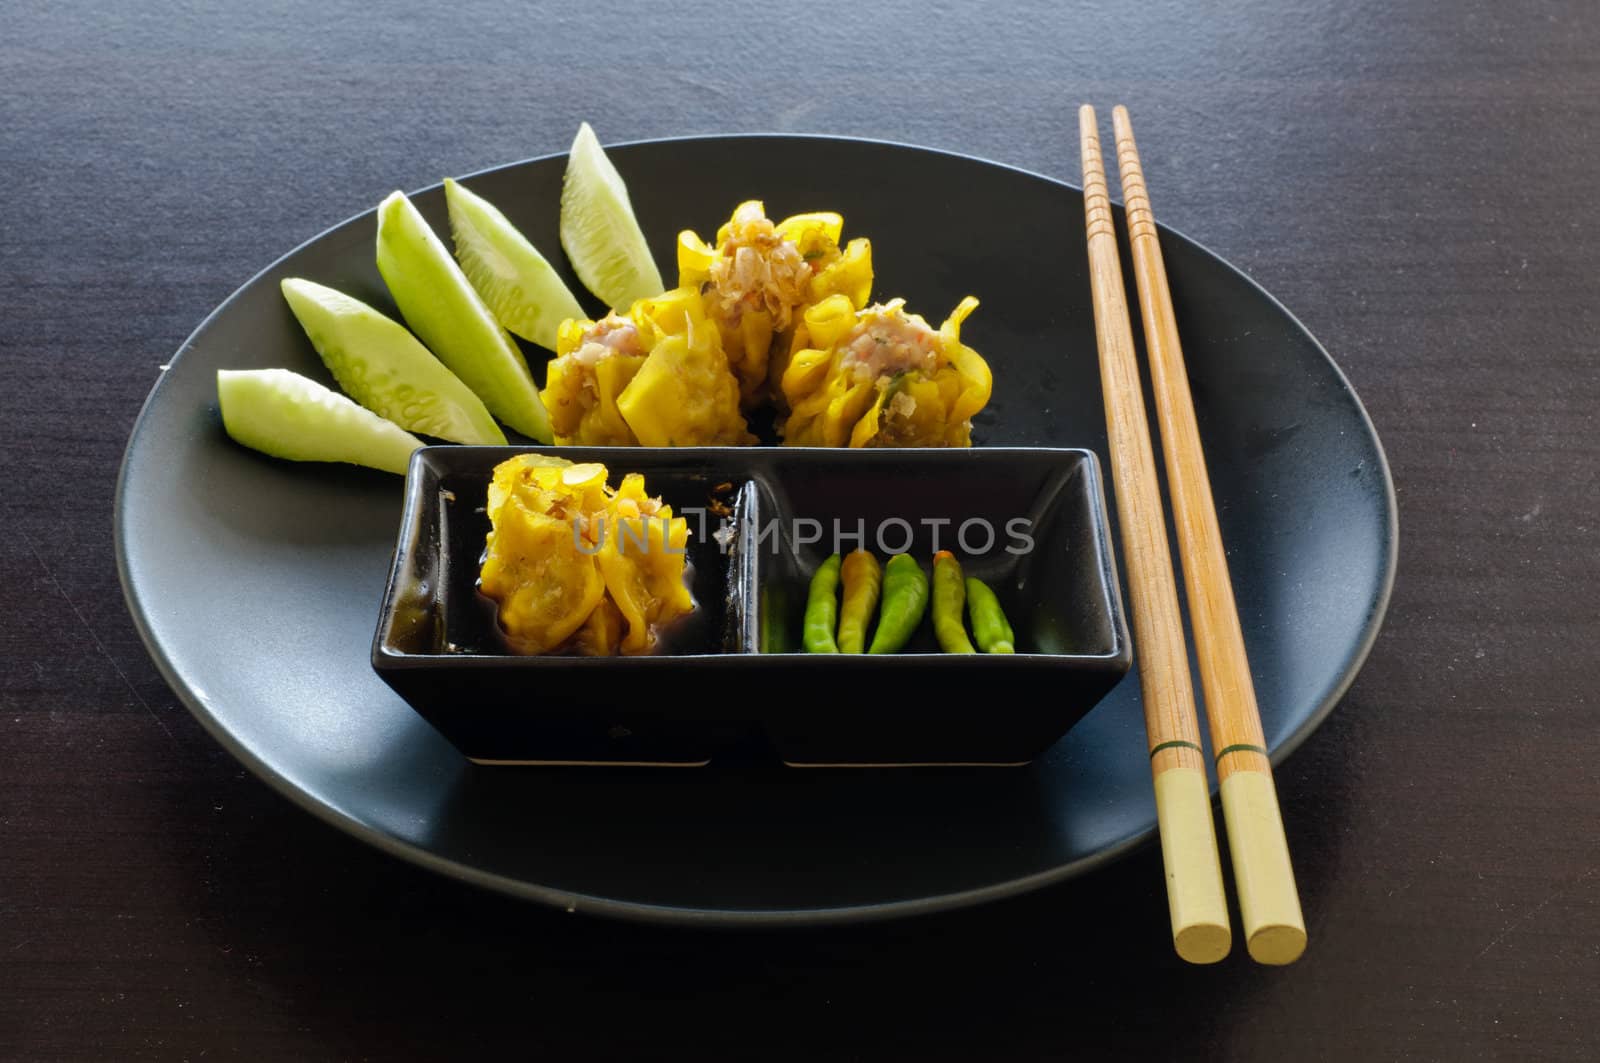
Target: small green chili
[(989, 624), (822, 608), (905, 600), (863, 579), (949, 595)]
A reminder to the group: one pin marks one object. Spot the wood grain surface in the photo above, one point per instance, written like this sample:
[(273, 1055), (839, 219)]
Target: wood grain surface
[(1190, 863), (1414, 179)]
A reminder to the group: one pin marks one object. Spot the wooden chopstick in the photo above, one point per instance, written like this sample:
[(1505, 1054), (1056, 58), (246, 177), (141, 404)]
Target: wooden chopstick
[(1199, 910), (1274, 928)]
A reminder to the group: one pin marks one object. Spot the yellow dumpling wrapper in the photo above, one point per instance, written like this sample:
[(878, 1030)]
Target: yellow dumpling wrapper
[(849, 275), (577, 567), (655, 376), (533, 568), (642, 562), (760, 276), (684, 394), (601, 634), (846, 281), (882, 377), (594, 363)]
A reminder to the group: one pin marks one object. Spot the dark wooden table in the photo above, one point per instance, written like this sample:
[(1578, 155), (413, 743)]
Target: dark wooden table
[(1414, 179)]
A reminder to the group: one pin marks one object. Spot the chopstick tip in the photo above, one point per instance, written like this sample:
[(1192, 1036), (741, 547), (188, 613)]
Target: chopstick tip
[(1277, 946), (1120, 123)]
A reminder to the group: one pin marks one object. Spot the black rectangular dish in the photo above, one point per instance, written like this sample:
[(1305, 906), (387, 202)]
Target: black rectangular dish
[(733, 678)]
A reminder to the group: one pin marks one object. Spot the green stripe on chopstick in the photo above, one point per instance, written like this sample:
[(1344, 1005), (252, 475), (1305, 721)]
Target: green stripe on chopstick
[(1241, 747)]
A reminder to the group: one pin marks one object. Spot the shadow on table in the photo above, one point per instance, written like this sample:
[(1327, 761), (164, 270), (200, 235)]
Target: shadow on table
[(372, 957)]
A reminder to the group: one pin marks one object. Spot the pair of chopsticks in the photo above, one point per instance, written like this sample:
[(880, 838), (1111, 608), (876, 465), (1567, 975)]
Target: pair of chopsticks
[(1274, 928)]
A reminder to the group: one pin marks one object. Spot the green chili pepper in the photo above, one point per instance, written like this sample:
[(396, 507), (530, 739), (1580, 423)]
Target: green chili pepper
[(863, 578), (949, 595), (822, 608), (989, 624), (905, 600)]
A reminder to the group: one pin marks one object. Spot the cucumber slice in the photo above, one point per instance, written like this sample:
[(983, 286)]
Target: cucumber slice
[(440, 305), (519, 286), (290, 416), (598, 229), (385, 369)]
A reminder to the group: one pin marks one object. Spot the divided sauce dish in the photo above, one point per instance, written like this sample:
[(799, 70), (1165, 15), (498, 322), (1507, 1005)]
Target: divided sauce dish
[(731, 680)]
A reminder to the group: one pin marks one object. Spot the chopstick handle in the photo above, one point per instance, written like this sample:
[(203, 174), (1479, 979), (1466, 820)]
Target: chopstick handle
[(1269, 904), (1199, 910)]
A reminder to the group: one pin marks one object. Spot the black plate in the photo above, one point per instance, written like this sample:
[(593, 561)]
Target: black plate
[(1031, 521), (255, 582)]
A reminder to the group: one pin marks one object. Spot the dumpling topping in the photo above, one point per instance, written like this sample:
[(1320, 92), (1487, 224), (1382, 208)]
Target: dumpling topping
[(761, 276), (757, 269), (881, 377), (887, 341)]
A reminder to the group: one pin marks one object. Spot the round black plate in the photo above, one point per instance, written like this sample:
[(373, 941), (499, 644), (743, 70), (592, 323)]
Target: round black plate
[(256, 583)]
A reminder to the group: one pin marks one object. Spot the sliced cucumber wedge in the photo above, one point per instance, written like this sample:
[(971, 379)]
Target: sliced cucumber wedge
[(385, 369), (446, 313), (598, 229), (519, 286), (290, 416)]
